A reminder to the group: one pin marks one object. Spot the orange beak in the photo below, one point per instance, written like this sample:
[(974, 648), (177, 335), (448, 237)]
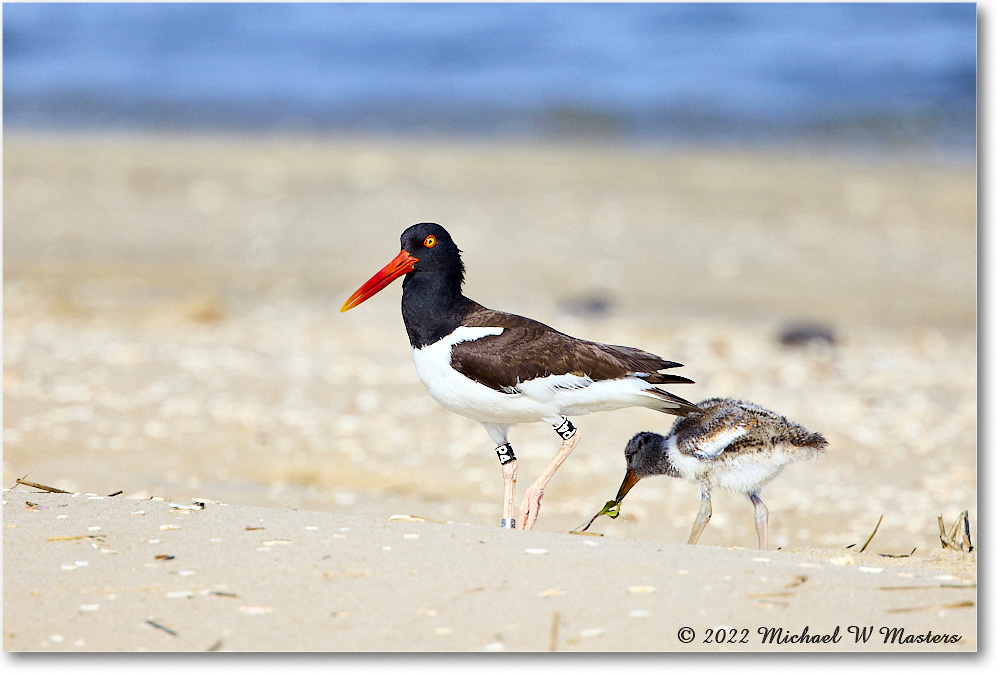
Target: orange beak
[(631, 478), (399, 266)]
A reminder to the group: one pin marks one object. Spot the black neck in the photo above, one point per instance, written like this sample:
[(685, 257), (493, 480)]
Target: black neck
[(433, 306)]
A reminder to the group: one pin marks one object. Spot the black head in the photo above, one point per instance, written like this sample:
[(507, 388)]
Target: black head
[(435, 251), (643, 452), (427, 252)]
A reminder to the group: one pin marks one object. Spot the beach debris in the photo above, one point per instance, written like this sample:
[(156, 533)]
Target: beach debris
[(554, 633), (770, 594), (186, 507), (552, 593), (842, 560), (641, 590), (640, 613), (414, 519), (174, 595), (536, 551), (160, 626), (958, 584), (215, 646), (798, 580), (164, 528), (933, 608), (90, 608), (256, 610), (49, 488), (98, 537), (872, 535), (495, 646), (276, 542), (899, 555), (251, 528), (801, 333), (39, 486), (870, 570), (164, 556), (611, 508), (960, 527), (592, 632)]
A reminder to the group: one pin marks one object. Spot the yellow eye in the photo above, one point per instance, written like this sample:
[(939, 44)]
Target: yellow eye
[(430, 241)]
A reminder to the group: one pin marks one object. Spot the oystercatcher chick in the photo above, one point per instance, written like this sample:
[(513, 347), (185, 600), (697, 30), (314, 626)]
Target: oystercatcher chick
[(502, 369), (730, 444)]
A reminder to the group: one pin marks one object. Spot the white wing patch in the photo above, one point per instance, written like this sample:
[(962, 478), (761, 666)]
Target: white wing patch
[(470, 333), (545, 387), (712, 446)]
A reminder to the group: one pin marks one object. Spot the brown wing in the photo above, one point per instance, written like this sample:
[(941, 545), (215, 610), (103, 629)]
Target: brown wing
[(528, 349)]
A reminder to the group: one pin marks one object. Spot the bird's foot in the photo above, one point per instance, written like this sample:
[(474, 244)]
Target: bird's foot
[(530, 506)]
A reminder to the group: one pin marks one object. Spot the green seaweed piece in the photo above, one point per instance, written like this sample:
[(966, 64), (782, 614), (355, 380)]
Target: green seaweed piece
[(611, 509)]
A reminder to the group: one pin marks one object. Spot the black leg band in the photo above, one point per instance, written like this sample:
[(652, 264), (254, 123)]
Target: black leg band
[(565, 428), (505, 453)]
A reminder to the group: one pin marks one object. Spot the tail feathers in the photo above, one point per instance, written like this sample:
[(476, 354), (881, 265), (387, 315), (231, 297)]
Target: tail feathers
[(661, 378), (640, 361), (669, 403), (805, 446), (810, 440)]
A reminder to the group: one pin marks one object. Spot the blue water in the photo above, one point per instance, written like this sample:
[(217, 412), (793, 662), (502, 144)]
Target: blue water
[(902, 74)]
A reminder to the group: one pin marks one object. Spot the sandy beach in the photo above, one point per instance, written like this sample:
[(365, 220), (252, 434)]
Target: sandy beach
[(286, 484)]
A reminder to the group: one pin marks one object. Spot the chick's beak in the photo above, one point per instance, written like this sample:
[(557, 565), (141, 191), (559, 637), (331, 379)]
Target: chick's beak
[(631, 478)]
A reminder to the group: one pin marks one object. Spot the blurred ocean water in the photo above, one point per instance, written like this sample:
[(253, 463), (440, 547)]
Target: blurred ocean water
[(897, 74)]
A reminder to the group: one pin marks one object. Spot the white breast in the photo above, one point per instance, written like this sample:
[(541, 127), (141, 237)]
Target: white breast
[(465, 396)]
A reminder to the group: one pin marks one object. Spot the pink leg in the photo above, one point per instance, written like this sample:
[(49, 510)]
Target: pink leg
[(704, 515), (509, 478), (760, 520), (532, 502)]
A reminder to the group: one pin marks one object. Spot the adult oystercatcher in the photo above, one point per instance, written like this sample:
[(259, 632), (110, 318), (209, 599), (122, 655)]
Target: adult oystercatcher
[(732, 444), (501, 369)]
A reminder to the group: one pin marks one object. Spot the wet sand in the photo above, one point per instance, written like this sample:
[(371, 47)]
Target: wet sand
[(171, 330)]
